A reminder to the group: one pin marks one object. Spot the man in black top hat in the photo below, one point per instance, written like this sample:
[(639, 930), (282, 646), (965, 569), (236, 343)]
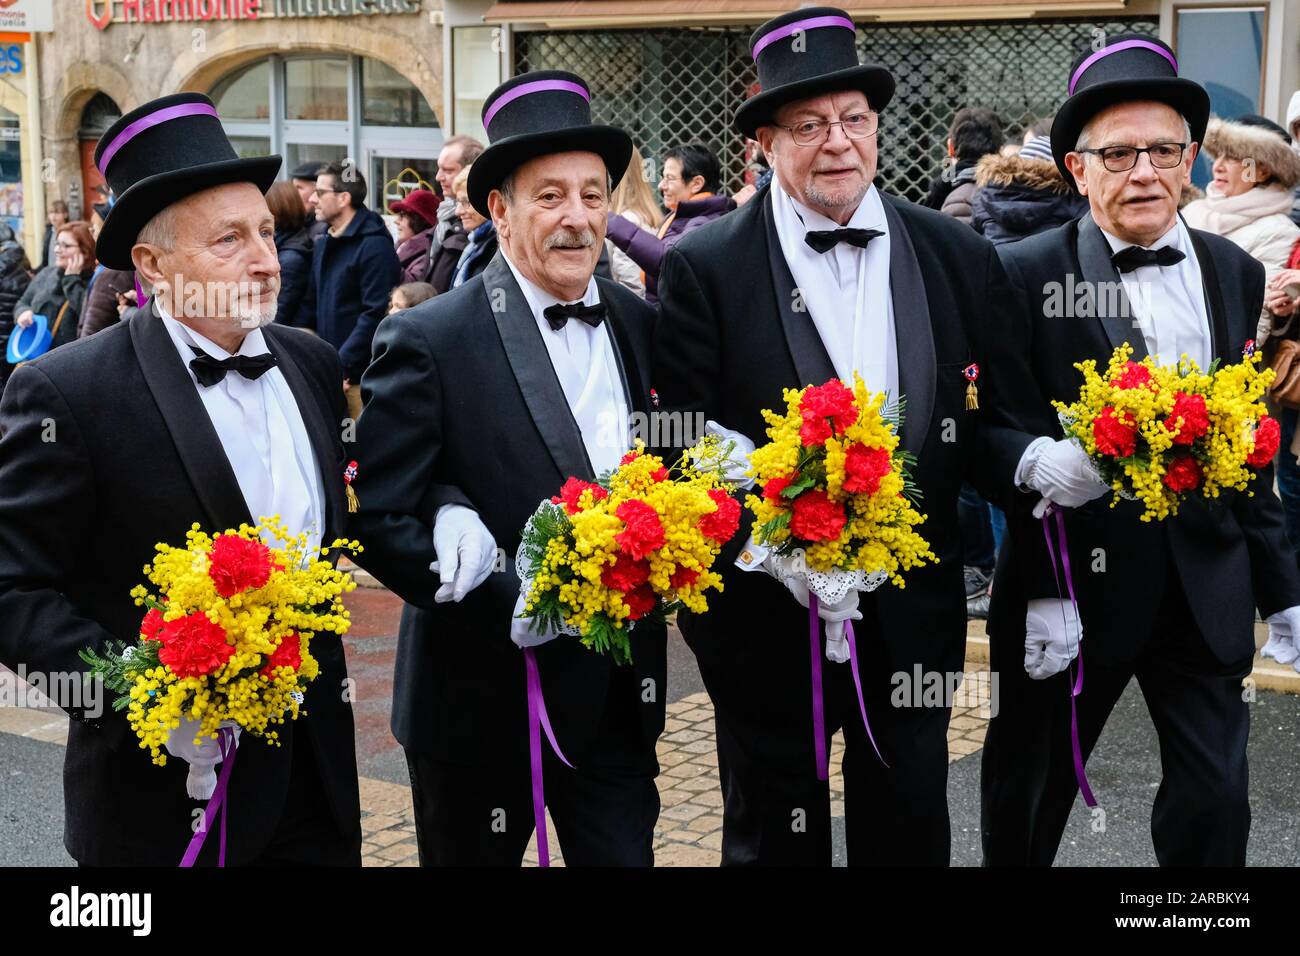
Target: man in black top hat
[(198, 410), (822, 275), (1170, 603), (478, 405)]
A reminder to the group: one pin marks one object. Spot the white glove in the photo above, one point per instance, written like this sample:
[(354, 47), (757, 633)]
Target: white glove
[(466, 552), (738, 457), (202, 757), (846, 609), (521, 628), (1061, 472), (1052, 635), (1283, 627)]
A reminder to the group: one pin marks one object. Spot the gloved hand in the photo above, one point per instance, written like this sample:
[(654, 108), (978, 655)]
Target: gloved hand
[(1052, 635), (521, 628), (202, 757), (846, 609), (466, 552), (738, 456), (1061, 472), (1283, 629)]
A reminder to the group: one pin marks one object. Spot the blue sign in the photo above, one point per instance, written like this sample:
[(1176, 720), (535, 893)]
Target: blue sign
[(11, 58)]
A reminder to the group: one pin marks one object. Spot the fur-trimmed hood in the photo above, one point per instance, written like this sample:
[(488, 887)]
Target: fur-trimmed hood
[(1038, 174), (1239, 141)]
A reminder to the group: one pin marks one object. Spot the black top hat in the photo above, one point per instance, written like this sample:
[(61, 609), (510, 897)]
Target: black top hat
[(1129, 68), (534, 114), (160, 153), (807, 52)]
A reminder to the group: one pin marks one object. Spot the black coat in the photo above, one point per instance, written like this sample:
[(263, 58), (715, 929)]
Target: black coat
[(462, 405), (1230, 556), (730, 340), (1018, 197), (294, 252), (137, 461)]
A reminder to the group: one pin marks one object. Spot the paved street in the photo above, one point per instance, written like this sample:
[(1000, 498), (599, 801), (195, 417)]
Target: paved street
[(1124, 772)]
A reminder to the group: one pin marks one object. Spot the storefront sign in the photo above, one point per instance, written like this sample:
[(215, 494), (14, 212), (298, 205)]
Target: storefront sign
[(26, 16), (103, 12), (11, 58)]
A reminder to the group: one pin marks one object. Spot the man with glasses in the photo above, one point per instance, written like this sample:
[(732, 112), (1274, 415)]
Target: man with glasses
[(1171, 603), (819, 276)]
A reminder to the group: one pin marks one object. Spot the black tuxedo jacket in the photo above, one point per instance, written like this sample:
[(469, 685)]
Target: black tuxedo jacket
[(462, 405), (106, 450), (730, 339), (1229, 556)]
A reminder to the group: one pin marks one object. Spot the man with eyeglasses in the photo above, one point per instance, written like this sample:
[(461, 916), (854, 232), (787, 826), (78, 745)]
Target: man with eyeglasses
[(819, 276), (1170, 603)]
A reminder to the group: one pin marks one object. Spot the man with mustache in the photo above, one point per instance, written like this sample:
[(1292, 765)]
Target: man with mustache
[(839, 278), (480, 403), (198, 410), (1171, 603)]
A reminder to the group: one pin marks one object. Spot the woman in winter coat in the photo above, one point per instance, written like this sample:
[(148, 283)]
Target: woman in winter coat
[(58, 291), (293, 244), (15, 276), (416, 215), (1022, 195)]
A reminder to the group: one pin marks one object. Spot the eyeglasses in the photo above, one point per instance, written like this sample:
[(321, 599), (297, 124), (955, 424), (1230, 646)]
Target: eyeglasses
[(816, 132), (319, 191), (1120, 159), (66, 245)]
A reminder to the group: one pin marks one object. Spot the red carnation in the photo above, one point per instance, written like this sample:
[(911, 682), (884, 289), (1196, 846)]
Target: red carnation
[(629, 458), (152, 625), (643, 532), (816, 517), (1183, 474), (239, 564), (1195, 420), (193, 646), (288, 654), (572, 490), (814, 431), (683, 578), (722, 522), (772, 490), (625, 573), (864, 467), (1268, 435), (1112, 435), (640, 602), (1135, 375), (832, 401)]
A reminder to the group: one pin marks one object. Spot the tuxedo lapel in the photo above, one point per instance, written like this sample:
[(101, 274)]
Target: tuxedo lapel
[(320, 434), (913, 333), (1099, 275), (534, 373), (812, 362), (187, 420)]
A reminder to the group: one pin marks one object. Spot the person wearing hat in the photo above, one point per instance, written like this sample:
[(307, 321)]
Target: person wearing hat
[(416, 216), (197, 411), (479, 404), (839, 278), (1171, 603), (304, 181)]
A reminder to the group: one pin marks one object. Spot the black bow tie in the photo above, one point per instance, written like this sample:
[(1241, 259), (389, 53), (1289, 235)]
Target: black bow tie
[(1134, 257), (209, 371), (560, 313), (825, 240)]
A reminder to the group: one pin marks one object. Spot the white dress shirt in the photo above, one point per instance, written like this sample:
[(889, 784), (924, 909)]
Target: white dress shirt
[(584, 362), (262, 433), (1168, 302), (845, 289)]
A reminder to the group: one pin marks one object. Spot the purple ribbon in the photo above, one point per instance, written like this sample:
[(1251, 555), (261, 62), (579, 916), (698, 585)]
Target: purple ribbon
[(1116, 48), (139, 291), (1077, 686), (857, 682), (819, 716), (527, 89), (229, 749), (153, 119), (539, 722), (792, 28)]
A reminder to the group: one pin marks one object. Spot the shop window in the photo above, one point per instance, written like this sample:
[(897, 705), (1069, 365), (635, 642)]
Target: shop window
[(245, 94), (316, 89), (390, 99)]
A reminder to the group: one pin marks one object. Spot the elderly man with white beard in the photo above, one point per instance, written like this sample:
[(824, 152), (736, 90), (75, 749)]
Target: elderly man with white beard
[(197, 411)]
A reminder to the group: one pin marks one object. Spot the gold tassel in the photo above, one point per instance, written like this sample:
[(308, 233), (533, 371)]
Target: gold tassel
[(353, 503), (972, 400)]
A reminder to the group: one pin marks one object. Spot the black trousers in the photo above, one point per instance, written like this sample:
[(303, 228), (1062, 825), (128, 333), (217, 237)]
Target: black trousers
[(776, 812), (604, 810), (1201, 815)]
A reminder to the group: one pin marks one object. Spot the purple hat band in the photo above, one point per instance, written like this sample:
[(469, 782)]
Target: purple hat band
[(148, 122), (1116, 48), (791, 28), (526, 89)]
